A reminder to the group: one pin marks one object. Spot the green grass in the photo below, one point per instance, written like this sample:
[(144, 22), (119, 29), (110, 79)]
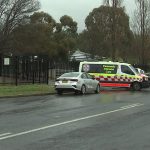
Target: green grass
[(11, 90)]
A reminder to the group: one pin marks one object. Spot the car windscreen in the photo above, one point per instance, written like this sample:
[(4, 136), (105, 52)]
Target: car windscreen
[(71, 74), (134, 69), (100, 68)]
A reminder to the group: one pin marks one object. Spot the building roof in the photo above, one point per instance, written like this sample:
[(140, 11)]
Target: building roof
[(80, 56)]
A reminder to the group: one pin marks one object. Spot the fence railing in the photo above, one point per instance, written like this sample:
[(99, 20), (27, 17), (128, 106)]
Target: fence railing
[(30, 69)]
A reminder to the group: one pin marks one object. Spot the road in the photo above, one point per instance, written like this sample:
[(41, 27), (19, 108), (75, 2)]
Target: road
[(112, 120)]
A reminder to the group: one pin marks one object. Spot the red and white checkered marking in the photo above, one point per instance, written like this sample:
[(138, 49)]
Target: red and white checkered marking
[(118, 79)]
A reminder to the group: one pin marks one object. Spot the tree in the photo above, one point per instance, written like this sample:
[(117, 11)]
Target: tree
[(12, 13), (83, 41), (142, 30), (65, 36), (42, 35), (113, 3), (36, 36), (109, 37), (68, 25)]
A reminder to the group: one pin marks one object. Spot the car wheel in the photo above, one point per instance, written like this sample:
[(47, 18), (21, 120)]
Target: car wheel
[(97, 89), (136, 86), (83, 89), (59, 92)]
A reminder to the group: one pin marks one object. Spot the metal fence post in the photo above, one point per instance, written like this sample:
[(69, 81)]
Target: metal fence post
[(33, 75), (16, 70), (47, 70)]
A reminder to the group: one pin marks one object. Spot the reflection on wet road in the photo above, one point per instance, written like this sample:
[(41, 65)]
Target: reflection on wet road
[(56, 122)]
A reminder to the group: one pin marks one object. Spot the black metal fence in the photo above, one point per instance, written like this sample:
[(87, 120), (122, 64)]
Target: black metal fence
[(32, 69), (23, 69)]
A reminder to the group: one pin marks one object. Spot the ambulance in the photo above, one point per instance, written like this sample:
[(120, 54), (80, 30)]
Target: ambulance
[(115, 74)]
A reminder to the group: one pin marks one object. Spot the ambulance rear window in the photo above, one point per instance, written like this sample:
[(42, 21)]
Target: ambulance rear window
[(100, 68)]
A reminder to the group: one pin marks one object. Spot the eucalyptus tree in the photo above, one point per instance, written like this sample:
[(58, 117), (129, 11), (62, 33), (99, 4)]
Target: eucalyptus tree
[(109, 37), (114, 4), (66, 36), (68, 25), (42, 35), (84, 42), (35, 36)]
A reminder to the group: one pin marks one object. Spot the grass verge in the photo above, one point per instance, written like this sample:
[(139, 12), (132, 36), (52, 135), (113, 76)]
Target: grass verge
[(11, 90)]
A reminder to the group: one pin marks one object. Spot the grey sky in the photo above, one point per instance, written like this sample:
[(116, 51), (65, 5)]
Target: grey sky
[(77, 9)]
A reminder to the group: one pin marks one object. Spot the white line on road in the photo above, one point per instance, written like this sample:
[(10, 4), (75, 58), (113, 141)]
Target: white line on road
[(133, 105), (70, 121), (4, 134)]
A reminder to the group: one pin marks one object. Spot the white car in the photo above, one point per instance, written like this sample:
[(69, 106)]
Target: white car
[(140, 71), (78, 82)]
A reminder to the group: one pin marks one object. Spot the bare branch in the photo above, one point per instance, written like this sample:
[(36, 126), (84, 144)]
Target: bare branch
[(12, 12), (142, 28), (113, 3)]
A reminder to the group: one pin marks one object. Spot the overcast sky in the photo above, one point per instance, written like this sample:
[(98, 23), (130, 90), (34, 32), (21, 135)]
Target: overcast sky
[(77, 9)]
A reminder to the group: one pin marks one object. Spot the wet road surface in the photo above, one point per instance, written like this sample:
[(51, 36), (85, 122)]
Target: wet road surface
[(112, 120)]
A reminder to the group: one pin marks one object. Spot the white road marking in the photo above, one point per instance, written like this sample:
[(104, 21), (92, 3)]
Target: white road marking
[(133, 105), (70, 121), (4, 134)]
